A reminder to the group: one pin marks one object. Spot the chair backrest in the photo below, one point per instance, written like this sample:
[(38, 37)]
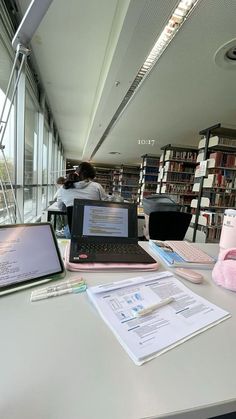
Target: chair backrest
[(159, 202), (168, 225), (69, 211)]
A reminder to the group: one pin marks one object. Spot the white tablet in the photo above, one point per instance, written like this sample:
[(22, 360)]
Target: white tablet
[(29, 255)]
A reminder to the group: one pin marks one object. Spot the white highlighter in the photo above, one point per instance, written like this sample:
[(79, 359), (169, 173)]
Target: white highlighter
[(153, 307), (190, 275)]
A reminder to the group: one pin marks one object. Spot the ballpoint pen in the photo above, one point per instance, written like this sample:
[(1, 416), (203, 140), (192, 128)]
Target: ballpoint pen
[(73, 289), (153, 307)]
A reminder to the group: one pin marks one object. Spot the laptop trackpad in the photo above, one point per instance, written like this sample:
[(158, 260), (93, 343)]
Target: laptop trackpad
[(115, 258)]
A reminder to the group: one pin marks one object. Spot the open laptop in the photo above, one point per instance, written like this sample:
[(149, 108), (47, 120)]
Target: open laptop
[(29, 255), (104, 231)]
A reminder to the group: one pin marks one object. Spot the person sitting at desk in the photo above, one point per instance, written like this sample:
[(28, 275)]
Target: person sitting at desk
[(80, 185), (59, 183), (62, 228)]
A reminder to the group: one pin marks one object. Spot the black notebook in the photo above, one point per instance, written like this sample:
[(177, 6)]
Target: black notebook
[(104, 231)]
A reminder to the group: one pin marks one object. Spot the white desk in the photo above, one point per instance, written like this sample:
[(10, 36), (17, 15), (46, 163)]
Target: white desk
[(59, 360), (53, 210)]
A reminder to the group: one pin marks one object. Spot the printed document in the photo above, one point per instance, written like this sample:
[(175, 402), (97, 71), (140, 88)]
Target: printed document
[(153, 334)]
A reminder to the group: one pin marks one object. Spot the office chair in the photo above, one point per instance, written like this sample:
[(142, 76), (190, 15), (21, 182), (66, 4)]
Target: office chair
[(69, 211), (168, 225)]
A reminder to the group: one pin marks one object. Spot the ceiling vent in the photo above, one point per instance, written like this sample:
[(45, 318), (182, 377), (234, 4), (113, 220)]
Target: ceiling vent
[(225, 56)]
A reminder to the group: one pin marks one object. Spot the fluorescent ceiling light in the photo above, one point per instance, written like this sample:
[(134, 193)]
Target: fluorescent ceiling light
[(175, 22)]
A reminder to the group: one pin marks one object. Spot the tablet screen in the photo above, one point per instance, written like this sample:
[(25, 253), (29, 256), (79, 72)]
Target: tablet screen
[(28, 252)]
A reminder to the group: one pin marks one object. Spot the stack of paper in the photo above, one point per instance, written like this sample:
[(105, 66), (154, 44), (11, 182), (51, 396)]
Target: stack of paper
[(148, 336)]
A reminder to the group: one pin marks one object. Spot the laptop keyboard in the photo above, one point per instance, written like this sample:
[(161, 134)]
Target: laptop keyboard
[(112, 248)]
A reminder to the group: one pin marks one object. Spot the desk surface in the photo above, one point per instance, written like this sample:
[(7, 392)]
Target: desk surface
[(61, 361)]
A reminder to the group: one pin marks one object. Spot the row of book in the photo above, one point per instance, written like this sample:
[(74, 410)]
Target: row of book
[(148, 192), (178, 188), (179, 177), (132, 188), (213, 218), (129, 175), (228, 181), (183, 199), (213, 234), (224, 199), (175, 166), (128, 182), (181, 155), (151, 162), (149, 178), (149, 187), (147, 170), (130, 171), (218, 141), (217, 180), (223, 159)]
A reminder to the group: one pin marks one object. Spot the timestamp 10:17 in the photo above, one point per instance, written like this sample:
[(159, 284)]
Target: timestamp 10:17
[(146, 142)]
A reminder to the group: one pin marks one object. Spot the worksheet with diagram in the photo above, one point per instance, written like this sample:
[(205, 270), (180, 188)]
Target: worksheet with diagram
[(150, 335)]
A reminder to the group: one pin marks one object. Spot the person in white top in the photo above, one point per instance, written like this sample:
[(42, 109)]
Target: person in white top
[(59, 183), (80, 185)]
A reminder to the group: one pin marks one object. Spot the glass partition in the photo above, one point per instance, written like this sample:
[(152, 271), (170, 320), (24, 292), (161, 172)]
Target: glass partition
[(6, 197)]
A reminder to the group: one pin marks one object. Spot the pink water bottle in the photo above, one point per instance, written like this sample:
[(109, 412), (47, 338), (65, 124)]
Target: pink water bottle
[(228, 232)]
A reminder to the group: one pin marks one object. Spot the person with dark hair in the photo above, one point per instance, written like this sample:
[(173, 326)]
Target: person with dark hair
[(80, 185), (86, 171), (60, 180)]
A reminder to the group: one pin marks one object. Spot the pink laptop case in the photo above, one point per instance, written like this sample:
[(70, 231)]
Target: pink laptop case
[(106, 266)]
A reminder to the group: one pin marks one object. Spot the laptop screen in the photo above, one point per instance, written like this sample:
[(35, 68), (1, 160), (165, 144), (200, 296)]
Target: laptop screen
[(28, 253), (98, 220), (105, 221)]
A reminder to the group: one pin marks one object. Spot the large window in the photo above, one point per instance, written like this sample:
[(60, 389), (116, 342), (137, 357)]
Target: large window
[(31, 142), (55, 158), (7, 172), (45, 154), (30, 158), (9, 136), (45, 166)]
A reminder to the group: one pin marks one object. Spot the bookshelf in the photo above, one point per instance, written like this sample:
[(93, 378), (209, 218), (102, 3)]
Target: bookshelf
[(126, 181), (176, 173), (116, 182), (148, 176), (215, 182), (104, 177), (119, 180)]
